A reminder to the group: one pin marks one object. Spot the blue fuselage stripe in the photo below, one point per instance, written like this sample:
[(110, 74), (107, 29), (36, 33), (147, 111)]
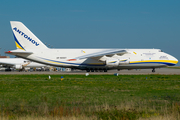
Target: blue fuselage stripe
[(166, 63), (71, 63)]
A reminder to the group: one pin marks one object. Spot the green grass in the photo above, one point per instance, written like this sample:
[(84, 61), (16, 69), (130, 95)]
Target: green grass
[(94, 97)]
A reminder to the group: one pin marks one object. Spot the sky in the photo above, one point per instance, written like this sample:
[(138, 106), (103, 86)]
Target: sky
[(95, 23)]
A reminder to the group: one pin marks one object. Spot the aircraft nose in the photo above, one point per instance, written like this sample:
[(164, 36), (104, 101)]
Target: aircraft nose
[(174, 59)]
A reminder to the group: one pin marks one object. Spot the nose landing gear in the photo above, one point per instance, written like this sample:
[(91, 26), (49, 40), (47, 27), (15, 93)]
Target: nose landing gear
[(153, 70)]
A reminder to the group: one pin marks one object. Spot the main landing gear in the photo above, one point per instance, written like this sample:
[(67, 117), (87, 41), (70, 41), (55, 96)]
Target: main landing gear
[(96, 70), (153, 70)]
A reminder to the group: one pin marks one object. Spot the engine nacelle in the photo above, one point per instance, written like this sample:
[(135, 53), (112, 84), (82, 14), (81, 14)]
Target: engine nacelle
[(112, 62), (18, 67), (124, 61)]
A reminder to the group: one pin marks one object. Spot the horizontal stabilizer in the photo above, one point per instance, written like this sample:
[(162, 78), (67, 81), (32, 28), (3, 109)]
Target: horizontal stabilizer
[(18, 51)]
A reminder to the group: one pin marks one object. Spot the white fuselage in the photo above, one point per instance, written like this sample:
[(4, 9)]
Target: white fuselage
[(19, 63), (134, 59)]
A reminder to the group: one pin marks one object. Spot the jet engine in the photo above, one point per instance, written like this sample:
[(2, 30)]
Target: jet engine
[(124, 61), (18, 67), (112, 62)]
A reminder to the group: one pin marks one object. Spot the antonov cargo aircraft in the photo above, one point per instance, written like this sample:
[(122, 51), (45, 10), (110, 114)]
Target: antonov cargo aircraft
[(19, 64), (31, 48)]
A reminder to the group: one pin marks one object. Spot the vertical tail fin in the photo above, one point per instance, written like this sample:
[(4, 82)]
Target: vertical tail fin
[(24, 38)]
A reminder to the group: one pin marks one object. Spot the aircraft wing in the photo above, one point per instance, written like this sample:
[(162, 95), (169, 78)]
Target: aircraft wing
[(98, 55)]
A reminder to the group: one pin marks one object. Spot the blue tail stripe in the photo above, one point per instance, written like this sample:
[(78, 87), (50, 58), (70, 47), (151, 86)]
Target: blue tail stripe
[(18, 41)]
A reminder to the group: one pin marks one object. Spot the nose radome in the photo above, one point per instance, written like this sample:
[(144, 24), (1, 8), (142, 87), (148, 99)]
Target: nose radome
[(174, 59)]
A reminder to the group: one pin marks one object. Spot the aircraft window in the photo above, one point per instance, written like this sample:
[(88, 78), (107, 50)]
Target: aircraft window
[(57, 58), (24, 61), (160, 51)]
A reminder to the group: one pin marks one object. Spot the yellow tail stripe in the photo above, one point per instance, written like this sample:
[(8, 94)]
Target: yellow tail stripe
[(17, 45)]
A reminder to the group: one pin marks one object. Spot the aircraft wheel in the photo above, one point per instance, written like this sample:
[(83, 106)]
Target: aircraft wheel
[(87, 70), (105, 70), (92, 70), (153, 70)]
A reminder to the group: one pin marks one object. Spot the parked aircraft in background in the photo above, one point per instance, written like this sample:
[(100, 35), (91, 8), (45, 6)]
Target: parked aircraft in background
[(19, 64), (30, 47)]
